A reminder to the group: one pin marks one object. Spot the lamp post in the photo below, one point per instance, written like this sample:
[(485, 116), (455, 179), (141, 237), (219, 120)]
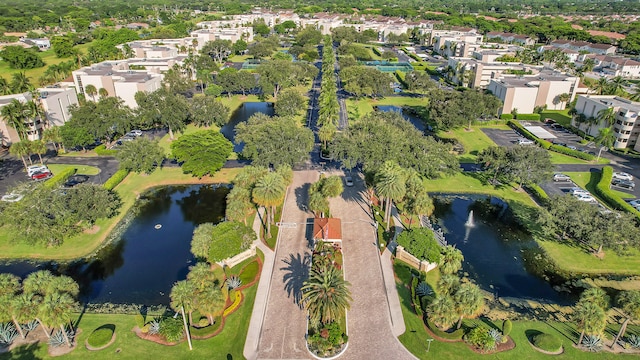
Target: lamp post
[(429, 344)]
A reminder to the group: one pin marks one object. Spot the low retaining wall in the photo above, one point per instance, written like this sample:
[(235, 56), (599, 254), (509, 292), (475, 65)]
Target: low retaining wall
[(414, 262), (235, 260)]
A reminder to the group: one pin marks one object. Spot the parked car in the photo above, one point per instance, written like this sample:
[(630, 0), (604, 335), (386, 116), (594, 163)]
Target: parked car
[(626, 184), (41, 175), (134, 133), (32, 169), (557, 127), (549, 121), (572, 147), (635, 202), (525, 142), (622, 176), (583, 197), (348, 180), (75, 180), (579, 191), (561, 177)]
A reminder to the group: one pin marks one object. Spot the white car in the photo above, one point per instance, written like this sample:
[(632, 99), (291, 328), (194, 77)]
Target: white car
[(32, 169), (579, 191), (622, 176), (561, 177), (525, 142), (635, 202), (583, 197), (136, 132)]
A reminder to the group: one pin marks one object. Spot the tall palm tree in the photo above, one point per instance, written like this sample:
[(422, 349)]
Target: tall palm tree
[(606, 116), (39, 147), (24, 308), (596, 296), (600, 87), (201, 276), (442, 312), (53, 136), (326, 295), (5, 89), (20, 149), (564, 98), (182, 299), (55, 311), (635, 95), (590, 319), (468, 301), (606, 138), (629, 303), (14, 115), (91, 91), (448, 284), (103, 93), (390, 185), (451, 260), (616, 85), (9, 288), (269, 192), (20, 83), (209, 301)]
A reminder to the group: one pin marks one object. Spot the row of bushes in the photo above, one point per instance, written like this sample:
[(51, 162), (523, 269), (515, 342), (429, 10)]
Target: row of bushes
[(538, 193), (548, 145), (400, 76), (574, 153), (532, 117), (101, 150), (415, 299), (116, 179), (376, 51), (604, 191), (59, 178), (236, 302), (456, 335)]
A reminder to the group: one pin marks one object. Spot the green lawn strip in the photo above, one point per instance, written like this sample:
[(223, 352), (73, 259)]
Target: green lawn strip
[(235, 101), (562, 117), (49, 58), (576, 260), (365, 105), (589, 180), (80, 169), (87, 242), (473, 141)]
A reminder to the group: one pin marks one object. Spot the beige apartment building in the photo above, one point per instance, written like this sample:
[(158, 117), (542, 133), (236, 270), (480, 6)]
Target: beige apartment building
[(525, 93), (626, 124)]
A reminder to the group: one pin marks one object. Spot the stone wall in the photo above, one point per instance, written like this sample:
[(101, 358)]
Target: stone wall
[(414, 262), (235, 260)]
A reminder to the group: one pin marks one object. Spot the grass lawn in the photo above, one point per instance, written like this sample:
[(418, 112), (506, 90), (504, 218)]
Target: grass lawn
[(562, 117), (557, 158), (49, 58), (229, 344), (370, 48), (473, 141), (574, 259), (358, 108), (235, 101), (415, 337), (86, 243), (80, 169)]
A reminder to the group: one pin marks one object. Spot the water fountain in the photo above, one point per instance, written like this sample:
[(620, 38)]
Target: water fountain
[(469, 222)]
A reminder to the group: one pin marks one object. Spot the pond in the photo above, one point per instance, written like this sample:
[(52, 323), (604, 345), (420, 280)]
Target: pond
[(417, 122), (243, 113), (493, 247), (142, 266)]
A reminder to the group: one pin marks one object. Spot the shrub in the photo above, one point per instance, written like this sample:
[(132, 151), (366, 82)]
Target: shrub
[(496, 335), (506, 116), (420, 243), (154, 327), (203, 322), (533, 117), (455, 335), (547, 342), (233, 282), (8, 333), (115, 179), (415, 299), (145, 329), (506, 327), (59, 178), (101, 150), (236, 303), (574, 153), (57, 339), (538, 193), (171, 329), (633, 341), (31, 325), (592, 343), (139, 320), (604, 191), (376, 51), (481, 338), (101, 336), (423, 289), (249, 272)]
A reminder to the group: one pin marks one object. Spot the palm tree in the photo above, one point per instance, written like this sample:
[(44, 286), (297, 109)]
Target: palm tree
[(390, 185), (5, 89), (269, 192), (24, 308), (182, 297), (91, 91), (103, 93), (38, 147), (616, 85), (55, 311), (596, 296), (606, 116), (469, 301), (209, 301), (53, 136), (9, 289), (326, 295), (591, 319), (20, 149), (635, 95), (451, 260), (606, 138), (442, 312), (600, 87), (201, 276), (448, 284), (421, 204), (564, 98), (14, 115), (20, 83), (629, 303)]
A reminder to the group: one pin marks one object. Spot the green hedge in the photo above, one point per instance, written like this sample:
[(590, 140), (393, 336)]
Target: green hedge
[(116, 179), (400, 76), (575, 153), (456, 335), (100, 336), (506, 116), (604, 191), (534, 117), (102, 151), (538, 193), (59, 178), (526, 133), (547, 342), (415, 299), (376, 51)]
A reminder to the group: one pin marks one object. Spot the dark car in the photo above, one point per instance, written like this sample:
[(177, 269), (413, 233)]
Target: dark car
[(627, 184), (75, 180), (41, 175)]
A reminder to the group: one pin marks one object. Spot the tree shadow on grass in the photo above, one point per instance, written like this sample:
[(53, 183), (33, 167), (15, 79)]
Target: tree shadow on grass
[(25, 352), (296, 273)]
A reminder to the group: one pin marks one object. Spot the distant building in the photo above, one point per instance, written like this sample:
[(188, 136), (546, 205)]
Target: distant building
[(600, 49), (137, 26), (42, 44), (614, 65), (475, 73), (525, 93), (523, 40), (232, 34), (626, 124)]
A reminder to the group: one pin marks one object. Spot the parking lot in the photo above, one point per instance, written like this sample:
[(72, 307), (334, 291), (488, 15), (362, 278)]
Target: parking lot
[(563, 137)]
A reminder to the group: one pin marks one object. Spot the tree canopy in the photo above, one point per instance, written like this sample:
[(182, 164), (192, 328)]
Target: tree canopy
[(225, 240), (203, 152), (141, 155), (421, 243)]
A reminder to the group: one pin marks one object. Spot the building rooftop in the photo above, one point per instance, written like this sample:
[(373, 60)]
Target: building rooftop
[(615, 101)]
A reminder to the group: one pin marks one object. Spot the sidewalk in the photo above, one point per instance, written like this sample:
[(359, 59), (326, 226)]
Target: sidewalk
[(260, 304), (397, 320)]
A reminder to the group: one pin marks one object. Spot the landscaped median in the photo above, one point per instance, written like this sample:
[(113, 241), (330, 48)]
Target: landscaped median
[(90, 241), (603, 189)]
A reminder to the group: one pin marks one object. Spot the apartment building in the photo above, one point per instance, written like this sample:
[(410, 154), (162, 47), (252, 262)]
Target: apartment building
[(525, 93), (600, 49), (523, 40), (572, 55), (232, 34), (55, 102), (457, 45), (475, 73), (613, 65), (626, 124), (117, 79)]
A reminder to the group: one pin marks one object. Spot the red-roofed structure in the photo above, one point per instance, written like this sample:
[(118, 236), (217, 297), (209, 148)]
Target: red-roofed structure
[(327, 229)]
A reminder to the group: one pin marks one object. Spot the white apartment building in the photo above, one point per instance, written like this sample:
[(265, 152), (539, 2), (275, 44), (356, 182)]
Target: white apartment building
[(523, 40), (457, 45), (600, 49), (117, 79), (478, 74), (626, 125), (614, 65), (525, 93), (232, 34)]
